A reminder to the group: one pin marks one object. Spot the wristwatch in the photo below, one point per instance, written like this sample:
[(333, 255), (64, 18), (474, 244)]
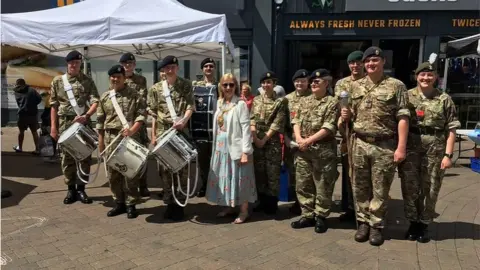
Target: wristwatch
[(448, 155)]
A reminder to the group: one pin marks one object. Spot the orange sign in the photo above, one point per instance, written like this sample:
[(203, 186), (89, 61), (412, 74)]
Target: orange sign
[(350, 24), (466, 23)]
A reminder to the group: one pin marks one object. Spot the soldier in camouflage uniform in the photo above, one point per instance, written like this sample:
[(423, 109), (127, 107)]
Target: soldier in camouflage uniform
[(430, 147), (295, 100), (63, 116), (267, 120), (316, 162), (133, 105), (379, 140), (181, 93), (355, 65), (139, 83), (205, 149)]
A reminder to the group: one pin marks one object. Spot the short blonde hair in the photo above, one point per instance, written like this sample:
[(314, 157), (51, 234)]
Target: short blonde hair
[(246, 85), (228, 76)]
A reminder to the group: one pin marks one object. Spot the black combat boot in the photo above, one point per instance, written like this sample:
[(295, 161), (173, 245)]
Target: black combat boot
[(160, 194), (362, 233), (348, 216), (82, 195), (119, 209), (131, 212), (271, 205), (261, 203), (321, 225), (423, 236), (144, 192), (303, 222), (413, 231), (177, 213), (376, 237), (295, 208), (71, 195), (169, 211)]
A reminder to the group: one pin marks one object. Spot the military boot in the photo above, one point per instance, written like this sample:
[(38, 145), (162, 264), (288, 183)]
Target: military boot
[(131, 212), (362, 233), (413, 231), (423, 236), (261, 203), (376, 237), (303, 222), (177, 212), (71, 195), (271, 206), (119, 209), (82, 195), (321, 225), (295, 208)]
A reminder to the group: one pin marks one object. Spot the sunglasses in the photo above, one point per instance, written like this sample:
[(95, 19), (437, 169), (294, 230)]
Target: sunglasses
[(209, 66), (226, 85)]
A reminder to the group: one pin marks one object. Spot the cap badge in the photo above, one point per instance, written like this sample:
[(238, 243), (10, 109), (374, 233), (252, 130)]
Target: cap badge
[(317, 74), (303, 74), (268, 74), (174, 60), (210, 59), (377, 52), (119, 69), (430, 67), (131, 57)]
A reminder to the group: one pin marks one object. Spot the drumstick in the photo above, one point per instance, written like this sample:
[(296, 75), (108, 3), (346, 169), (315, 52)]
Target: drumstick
[(108, 146)]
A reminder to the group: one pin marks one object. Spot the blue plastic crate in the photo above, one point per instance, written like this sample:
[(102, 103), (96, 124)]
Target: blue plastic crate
[(475, 164)]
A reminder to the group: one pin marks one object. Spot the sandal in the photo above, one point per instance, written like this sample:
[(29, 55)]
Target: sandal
[(227, 212), (241, 218)]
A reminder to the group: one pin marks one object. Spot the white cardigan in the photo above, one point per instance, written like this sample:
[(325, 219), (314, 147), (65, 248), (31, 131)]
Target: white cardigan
[(237, 126)]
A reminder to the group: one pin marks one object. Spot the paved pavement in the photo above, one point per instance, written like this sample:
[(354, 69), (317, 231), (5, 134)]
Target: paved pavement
[(39, 232)]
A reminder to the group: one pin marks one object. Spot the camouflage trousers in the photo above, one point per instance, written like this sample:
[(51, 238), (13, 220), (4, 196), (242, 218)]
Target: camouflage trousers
[(372, 177), (68, 163), (124, 190), (316, 173), (421, 177), (167, 178), (267, 166)]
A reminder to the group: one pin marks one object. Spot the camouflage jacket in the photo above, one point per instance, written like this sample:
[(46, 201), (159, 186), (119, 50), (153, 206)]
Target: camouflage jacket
[(437, 112), (84, 90), (377, 107), (343, 85), (316, 114), (138, 83), (295, 101), (132, 104), (182, 98), (262, 113), (204, 83)]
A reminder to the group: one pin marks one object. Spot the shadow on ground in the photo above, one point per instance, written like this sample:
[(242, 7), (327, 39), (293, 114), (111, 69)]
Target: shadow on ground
[(19, 192)]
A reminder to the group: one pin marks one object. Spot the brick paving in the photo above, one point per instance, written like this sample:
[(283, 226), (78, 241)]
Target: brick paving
[(39, 232)]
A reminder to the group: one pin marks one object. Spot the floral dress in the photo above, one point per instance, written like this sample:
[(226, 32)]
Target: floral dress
[(229, 183)]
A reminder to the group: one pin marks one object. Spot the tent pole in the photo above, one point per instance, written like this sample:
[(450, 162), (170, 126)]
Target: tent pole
[(85, 61), (445, 75), (223, 59)]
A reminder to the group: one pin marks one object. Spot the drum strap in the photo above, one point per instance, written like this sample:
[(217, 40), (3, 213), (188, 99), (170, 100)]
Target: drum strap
[(118, 110), (168, 99), (69, 90)]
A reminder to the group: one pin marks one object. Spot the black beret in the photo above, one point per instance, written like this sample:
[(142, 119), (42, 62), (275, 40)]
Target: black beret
[(116, 70), (206, 61), (355, 56), (426, 66), (320, 73), (301, 73), (73, 55), (268, 75), (372, 51), (127, 57), (168, 60)]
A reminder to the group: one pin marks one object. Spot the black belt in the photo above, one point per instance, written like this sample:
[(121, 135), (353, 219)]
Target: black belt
[(372, 139), (426, 131)]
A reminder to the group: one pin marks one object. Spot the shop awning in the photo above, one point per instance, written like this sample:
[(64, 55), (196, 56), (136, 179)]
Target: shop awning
[(464, 47), (148, 29)]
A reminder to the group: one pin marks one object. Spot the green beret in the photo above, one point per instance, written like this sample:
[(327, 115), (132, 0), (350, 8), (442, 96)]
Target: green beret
[(425, 66), (168, 60), (127, 57), (206, 61), (73, 55), (355, 56), (268, 75), (373, 51), (117, 69)]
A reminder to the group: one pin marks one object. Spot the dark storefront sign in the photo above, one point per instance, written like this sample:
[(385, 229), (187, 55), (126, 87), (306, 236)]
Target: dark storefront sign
[(382, 24), (398, 5)]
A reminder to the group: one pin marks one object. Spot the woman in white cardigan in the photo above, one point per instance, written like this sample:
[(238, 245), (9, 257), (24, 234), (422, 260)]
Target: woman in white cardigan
[(231, 180)]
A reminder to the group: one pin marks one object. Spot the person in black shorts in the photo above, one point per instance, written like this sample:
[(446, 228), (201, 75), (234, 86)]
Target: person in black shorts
[(27, 100)]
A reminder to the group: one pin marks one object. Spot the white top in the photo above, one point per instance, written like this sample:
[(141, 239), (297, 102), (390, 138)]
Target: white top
[(237, 126), (464, 132)]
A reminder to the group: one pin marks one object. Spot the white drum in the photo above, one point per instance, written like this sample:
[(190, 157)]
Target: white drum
[(129, 158), (174, 151), (79, 141)]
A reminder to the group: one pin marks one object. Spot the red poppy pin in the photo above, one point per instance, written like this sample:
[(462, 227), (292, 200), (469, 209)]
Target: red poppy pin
[(292, 114), (420, 113)]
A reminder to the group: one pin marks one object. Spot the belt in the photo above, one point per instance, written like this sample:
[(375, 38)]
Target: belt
[(426, 131), (113, 130), (373, 139)]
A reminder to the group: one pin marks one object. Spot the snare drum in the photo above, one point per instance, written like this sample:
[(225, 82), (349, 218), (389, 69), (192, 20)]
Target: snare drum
[(79, 141), (128, 158), (174, 150)]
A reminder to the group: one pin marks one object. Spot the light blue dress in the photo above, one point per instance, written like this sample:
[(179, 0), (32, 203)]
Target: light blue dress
[(229, 183)]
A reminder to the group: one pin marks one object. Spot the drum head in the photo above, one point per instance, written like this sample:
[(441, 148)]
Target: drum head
[(69, 132)]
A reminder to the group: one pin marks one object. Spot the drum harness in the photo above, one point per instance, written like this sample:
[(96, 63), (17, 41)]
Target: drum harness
[(79, 111), (175, 118)]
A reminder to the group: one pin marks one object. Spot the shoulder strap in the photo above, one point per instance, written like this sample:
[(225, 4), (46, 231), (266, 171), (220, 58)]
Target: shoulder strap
[(71, 98), (168, 98), (118, 110)]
